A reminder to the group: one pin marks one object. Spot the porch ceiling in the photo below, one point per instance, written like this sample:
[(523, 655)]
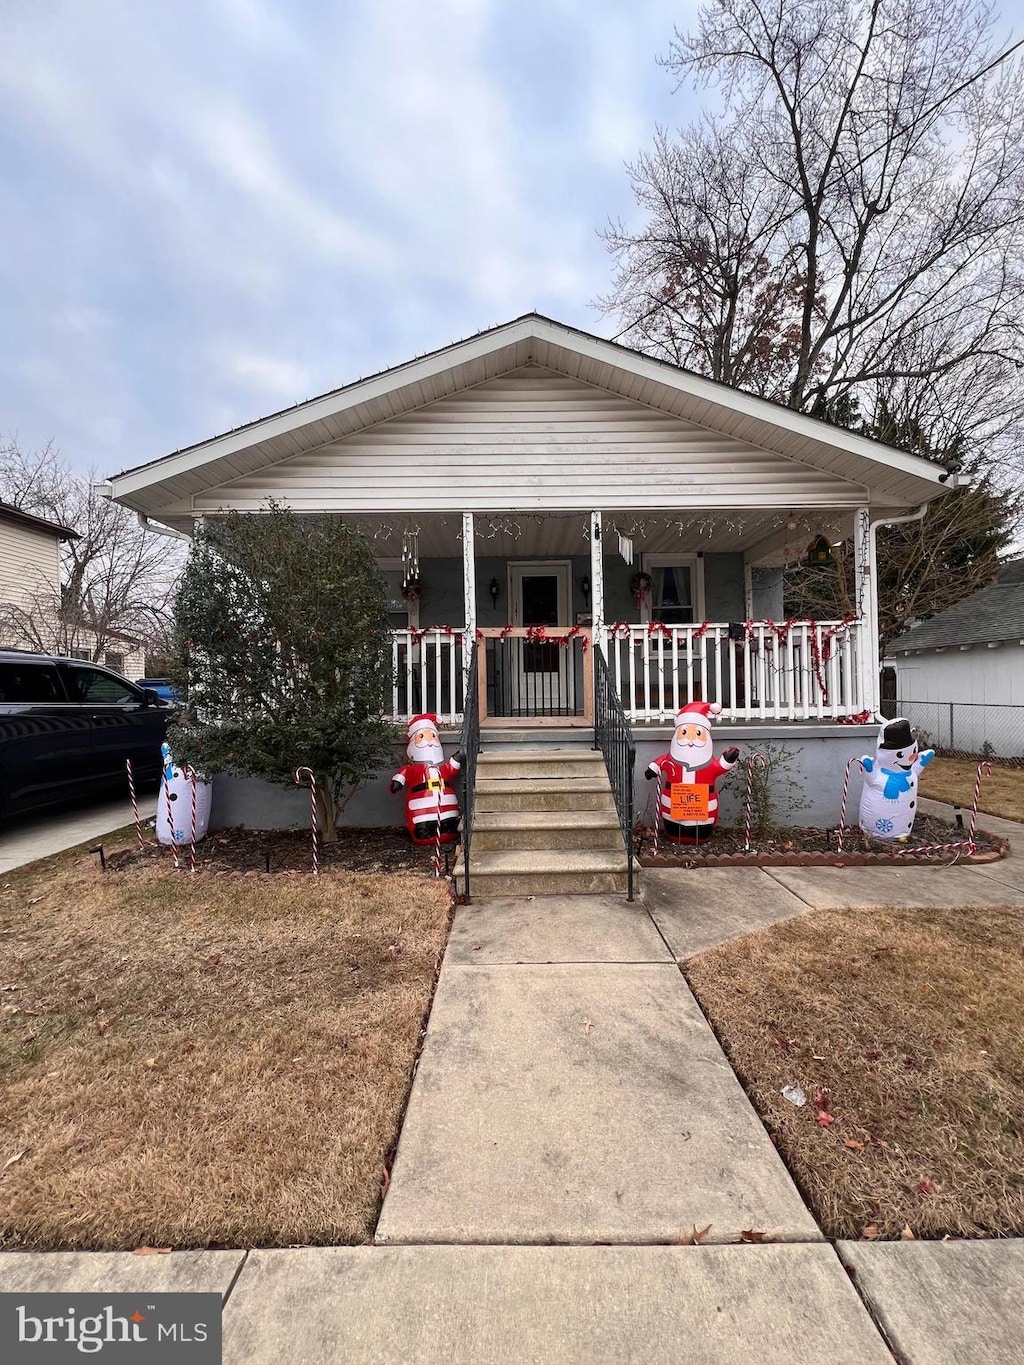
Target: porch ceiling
[(762, 533)]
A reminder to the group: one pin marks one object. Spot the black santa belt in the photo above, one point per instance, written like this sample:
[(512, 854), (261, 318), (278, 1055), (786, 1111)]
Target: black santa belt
[(437, 786)]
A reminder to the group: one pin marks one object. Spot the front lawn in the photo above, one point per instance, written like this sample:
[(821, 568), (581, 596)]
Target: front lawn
[(209, 1059), (952, 780), (902, 1029)]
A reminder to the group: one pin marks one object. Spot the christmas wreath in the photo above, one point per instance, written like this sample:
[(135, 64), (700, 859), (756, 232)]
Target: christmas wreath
[(640, 586), (412, 589)]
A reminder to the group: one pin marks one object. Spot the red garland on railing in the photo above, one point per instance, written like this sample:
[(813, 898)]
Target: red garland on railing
[(416, 633), (539, 635)]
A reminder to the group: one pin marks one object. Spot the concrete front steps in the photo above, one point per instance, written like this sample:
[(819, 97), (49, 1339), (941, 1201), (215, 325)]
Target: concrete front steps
[(544, 823)]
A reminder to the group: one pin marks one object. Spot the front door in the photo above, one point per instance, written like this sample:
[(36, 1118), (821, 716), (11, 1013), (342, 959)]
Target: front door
[(543, 677)]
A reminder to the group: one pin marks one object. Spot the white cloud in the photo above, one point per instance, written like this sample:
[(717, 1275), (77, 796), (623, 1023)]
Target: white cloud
[(216, 206)]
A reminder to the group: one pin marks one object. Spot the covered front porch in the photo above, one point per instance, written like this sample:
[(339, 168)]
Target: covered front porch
[(683, 606)]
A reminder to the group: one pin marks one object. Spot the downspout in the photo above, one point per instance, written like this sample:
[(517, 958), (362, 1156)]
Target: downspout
[(156, 530)]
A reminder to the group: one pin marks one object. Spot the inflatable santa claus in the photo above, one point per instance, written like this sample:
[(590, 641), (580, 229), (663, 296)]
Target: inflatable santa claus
[(430, 803), (888, 802), (687, 801)]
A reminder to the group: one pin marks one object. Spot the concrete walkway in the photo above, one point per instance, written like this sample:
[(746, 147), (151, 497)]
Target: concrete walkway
[(37, 836)]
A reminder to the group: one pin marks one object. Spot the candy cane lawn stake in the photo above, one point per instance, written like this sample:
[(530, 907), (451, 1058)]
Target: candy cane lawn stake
[(984, 769), (135, 805), (754, 761), (192, 776), (959, 846), (170, 822), (841, 832), (312, 812)]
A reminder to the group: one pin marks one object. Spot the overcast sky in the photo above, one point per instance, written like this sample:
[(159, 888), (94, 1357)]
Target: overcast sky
[(214, 208), (210, 209)]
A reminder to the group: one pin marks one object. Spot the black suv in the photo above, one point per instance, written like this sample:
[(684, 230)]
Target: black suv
[(66, 728)]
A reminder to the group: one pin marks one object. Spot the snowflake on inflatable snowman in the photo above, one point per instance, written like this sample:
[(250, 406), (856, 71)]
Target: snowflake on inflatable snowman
[(430, 802), (888, 802), (687, 800)]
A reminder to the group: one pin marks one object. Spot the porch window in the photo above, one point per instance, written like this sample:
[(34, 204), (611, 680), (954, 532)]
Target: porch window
[(676, 590)]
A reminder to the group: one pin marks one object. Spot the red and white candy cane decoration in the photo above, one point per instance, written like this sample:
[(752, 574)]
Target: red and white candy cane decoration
[(967, 845), (135, 804), (841, 832), (192, 777), (754, 761), (170, 824), (312, 812), (437, 836)]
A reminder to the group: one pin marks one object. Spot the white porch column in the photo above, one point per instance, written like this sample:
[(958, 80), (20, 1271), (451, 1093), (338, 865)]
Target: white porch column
[(866, 573), (597, 578), (468, 589)]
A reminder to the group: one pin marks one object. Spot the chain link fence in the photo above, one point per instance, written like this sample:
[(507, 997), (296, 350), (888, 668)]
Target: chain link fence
[(968, 728)]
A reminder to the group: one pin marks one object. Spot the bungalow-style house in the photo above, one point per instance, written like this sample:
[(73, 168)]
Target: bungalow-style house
[(547, 502), (30, 597), (960, 673)]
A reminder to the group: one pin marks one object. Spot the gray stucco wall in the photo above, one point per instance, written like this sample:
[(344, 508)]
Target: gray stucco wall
[(816, 773)]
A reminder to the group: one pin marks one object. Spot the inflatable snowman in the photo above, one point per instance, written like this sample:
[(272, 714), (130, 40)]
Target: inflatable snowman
[(430, 802), (888, 801), (174, 804), (687, 801)]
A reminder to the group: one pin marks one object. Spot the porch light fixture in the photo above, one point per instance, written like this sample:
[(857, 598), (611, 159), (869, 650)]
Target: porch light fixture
[(585, 588), (494, 589)]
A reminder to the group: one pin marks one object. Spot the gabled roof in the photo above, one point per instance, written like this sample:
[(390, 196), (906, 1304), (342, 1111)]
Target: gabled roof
[(893, 478), (13, 514), (993, 615)]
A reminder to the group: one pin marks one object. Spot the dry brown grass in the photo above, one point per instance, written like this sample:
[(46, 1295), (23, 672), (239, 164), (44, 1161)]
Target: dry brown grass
[(187, 1061), (952, 779), (911, 1020)]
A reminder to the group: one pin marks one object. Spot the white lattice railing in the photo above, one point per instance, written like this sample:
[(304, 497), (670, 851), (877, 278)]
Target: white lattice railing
[(771, 671), (426, 668)]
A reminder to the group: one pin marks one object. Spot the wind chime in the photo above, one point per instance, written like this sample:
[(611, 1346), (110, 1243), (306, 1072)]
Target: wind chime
[(411, 563)]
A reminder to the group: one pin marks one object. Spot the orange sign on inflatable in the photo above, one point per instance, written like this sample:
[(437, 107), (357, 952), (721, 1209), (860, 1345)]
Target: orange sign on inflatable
[(689, 801)]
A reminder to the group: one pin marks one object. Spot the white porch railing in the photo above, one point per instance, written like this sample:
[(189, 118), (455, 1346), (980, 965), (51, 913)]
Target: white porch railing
[(772, 672), (426, 670)]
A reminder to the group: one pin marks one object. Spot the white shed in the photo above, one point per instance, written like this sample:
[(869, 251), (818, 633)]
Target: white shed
[(960, 674)]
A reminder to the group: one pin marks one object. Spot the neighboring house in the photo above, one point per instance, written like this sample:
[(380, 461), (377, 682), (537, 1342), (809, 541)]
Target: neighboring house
[(959, 672), (30, 596), (536, 483)]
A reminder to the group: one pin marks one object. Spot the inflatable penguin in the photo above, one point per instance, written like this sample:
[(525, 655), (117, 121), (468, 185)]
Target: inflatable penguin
[(429, 800), (174, 804), (687, 801), (888, 801)]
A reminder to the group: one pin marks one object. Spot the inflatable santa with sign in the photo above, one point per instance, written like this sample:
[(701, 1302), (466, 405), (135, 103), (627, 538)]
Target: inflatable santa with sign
[(687, 801), (430, 802)]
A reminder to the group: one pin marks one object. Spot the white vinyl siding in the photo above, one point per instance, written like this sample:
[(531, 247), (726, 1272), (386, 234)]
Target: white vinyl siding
[(533, 438), (29, 565)]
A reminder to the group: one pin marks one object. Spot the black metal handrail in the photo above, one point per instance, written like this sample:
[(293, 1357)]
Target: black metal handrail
[(614, 738), (469, 744)]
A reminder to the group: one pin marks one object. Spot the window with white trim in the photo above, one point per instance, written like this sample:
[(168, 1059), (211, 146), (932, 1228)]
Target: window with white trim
[(677, 589)]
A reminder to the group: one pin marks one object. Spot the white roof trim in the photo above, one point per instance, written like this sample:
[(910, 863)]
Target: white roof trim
[(526, 328)]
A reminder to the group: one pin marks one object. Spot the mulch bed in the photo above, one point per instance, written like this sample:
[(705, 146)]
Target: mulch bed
[(809, 846), (387, 849)]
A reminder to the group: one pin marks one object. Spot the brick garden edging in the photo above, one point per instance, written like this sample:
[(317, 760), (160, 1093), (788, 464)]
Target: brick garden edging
[(1000, 849)]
